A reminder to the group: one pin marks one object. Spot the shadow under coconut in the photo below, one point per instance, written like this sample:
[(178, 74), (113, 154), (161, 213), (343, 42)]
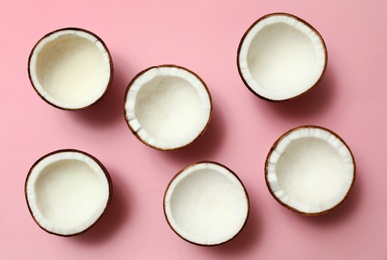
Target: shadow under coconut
[(109, 110), (245, 240), (309, 104), (206, 145), (113, 218)]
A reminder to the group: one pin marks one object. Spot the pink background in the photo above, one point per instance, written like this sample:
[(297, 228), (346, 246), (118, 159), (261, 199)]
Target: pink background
[(202, 36)]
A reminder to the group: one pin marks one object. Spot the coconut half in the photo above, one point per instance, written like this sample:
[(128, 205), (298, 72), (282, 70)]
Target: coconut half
[(310, 170), (206, 204), (167, 107), (281, 56), (70, 68), (67, 191)]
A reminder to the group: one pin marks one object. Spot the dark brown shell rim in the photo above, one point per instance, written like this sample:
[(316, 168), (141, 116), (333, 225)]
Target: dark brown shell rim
[(292, 208), (108, 178), (300, 20), (244, 189), (110, 65), (166, 66)]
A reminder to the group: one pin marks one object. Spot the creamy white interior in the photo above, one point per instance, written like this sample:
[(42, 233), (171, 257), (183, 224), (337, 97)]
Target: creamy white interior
[(310, 170), (70, 69), (206, 204), (168, 107), (281, 57), (67, 192)]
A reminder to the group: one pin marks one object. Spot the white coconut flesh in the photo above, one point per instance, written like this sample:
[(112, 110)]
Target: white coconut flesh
[(67, 192), (310, 170), (168, 107), (70, 68), (281, 57), (206, 204)]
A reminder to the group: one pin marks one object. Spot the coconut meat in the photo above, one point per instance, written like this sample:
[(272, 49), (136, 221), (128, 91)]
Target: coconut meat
[(67, 192), (281, 57), (168, 107), (310, 170), (70, 68), (206, 204)]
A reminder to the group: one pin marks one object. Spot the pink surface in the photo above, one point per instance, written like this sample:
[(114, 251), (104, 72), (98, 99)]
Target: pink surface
[(202, 36)]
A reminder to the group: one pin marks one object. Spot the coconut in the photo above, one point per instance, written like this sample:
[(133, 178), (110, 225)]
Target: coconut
[(167, 107), (206, 204), (310, 170), (70, 68), (281, 57), (67, 191)]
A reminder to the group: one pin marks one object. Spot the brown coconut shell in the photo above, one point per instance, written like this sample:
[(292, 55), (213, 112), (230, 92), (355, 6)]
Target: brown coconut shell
[(189, 241), (134, 132), (109, 180), (273, 149), (298, 19), (110, 65)]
